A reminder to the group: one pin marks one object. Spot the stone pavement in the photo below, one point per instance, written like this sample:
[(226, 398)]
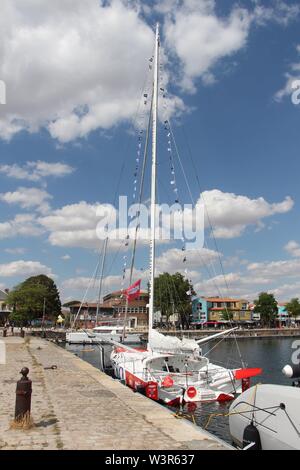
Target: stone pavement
[(79, 407)]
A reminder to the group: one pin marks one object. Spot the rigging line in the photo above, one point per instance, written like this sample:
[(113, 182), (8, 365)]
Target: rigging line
[(206, 209), (139, 211), (219, 256), (291, 421), (86, 292), (141, 190)]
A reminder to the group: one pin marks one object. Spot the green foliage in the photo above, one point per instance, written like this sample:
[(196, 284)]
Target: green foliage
[(171, 296), (27, 300), (227, 314), (27, 303), (53, 304), (293, 308), (266, 305)]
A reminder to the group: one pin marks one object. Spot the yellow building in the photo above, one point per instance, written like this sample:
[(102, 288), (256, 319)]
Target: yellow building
[(218, 307)]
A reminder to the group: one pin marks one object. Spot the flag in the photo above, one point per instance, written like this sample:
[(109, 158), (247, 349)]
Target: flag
[(133, 291)]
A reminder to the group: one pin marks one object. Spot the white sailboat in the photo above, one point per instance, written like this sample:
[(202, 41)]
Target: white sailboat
[(172, 370)]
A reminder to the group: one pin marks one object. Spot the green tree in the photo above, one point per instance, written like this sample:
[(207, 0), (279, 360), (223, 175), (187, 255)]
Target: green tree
[(266, 306), (53, 303), (28, 298), (172, 294), (227, 314), (293, 308), (27, 303)]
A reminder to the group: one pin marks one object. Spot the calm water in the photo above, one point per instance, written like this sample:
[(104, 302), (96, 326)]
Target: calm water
[(269, 354)]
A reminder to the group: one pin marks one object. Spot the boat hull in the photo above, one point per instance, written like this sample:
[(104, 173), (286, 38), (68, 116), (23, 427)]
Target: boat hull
[(278, 428)]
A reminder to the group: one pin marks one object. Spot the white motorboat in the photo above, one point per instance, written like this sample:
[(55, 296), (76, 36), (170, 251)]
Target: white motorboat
[(102, 334), (267, 416)]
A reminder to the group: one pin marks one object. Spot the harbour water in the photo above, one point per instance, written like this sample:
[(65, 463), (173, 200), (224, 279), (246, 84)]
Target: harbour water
[(269, 354)]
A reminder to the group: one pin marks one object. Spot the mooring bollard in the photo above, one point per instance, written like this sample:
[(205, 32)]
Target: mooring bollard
[(23, 396)]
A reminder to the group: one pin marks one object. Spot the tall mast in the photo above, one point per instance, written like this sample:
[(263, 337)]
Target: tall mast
[(101, 279), (153, 178)]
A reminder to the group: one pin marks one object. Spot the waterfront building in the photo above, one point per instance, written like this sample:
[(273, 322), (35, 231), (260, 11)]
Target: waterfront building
[(111, 309), (4, 308), (210, 311)]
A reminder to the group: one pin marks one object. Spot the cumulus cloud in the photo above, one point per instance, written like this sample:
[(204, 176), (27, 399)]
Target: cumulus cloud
[(200, 38), (87, 64), (36, 171), (86, 59), (172, 260), (230, 213), (28, 198), (24, 268), (273, 269), (292, 81), (66, 257), (22, 225), (293, 248)]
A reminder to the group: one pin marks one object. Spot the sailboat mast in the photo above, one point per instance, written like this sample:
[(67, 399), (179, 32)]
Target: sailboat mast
[(101, 279), (153, 178)]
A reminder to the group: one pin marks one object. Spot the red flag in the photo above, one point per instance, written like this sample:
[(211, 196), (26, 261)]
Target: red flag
[(133, 291)]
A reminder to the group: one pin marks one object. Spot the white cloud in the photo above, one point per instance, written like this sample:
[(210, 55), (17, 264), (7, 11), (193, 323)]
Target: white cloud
[(66, 257), (290, 77), (293, 248), (86, 58), (22, 225), (28, 198), (24, 268), (172, 260), (87, 64), (200, 38), (279, 12), (273, 269), (35, 171), (230, 213), (15, 251)]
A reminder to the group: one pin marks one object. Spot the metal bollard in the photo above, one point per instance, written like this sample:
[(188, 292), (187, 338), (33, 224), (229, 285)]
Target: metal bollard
[(4, 332), (23, 396), (22, 333)]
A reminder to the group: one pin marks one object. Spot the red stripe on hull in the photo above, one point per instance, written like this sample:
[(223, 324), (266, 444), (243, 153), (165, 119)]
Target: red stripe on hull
[(133, 382)]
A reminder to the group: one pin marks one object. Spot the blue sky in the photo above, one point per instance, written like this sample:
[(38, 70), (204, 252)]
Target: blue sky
[(73, 87)]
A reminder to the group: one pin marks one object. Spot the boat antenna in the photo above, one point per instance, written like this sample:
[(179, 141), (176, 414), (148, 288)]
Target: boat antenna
[(153, 181)]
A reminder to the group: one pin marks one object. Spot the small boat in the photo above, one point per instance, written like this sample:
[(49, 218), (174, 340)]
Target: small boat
[(267, 416), (103, 334)]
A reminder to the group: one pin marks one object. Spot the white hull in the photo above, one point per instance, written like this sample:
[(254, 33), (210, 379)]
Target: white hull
[(82, 337), (193, 380), (278, 428)]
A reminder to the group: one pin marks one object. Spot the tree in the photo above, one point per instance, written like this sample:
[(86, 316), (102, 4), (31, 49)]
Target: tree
[(227, 314), (172, 294), (53, 303), (29, 297), (27, 303), (293, 308), (266, 306)]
